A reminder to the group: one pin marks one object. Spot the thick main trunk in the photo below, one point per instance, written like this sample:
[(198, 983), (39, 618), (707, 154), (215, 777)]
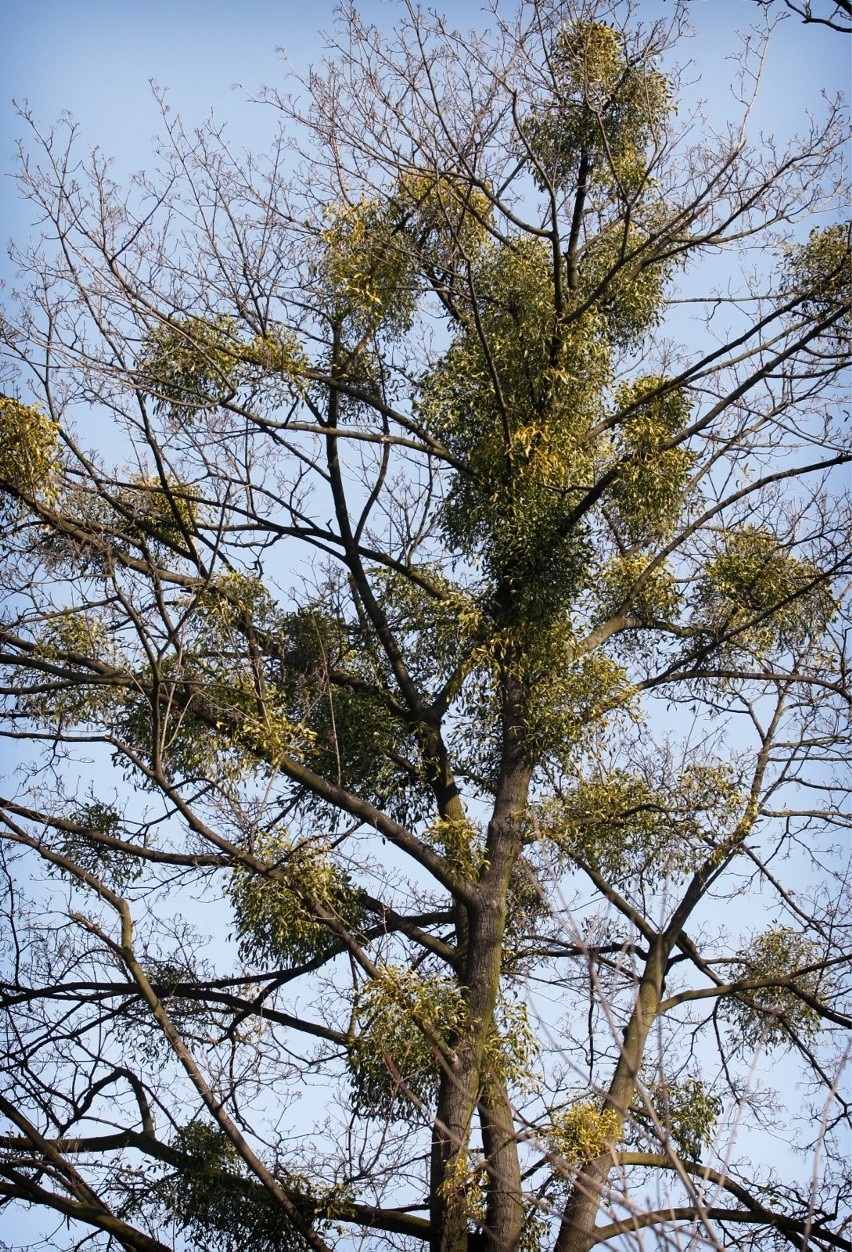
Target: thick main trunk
[(504, 1206), (466, 1085), (450, 1138), (460, 1093)]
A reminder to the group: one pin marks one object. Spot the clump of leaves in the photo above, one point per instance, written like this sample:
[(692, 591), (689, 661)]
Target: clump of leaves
[(463, 1186), (191, 364), (108, 865), (756, 592), (686, 1111), (186, 1012), (276, 352), (819, 272), (790, 962), (523, 446), (461, 844), (623, 585), (619, 274), (237, 600), (445, 215), (282, 916), (394, 1053), (165, 511), (215, 1202), (570, 697), (76, 644), (608, 109), (512, 1049), (231, 712), (584, 1131), (626, 826), (651, 475), (366, 269), (29, 455)]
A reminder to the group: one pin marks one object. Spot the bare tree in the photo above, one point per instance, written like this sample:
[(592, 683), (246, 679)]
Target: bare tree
[(835, 14), (424, 652)]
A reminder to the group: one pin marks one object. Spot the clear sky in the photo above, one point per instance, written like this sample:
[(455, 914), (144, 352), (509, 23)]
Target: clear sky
[(96, 59)]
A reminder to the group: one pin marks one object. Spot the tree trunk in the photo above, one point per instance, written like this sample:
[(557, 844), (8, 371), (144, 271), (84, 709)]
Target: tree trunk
[(462, 1087), (450, 1138), (504, 1208)]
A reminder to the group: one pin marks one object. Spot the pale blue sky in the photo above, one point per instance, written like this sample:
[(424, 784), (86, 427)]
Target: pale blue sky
[(96, 58)]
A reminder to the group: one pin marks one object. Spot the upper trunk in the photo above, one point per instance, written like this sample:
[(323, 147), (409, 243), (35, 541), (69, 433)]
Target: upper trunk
[(468, 1084)]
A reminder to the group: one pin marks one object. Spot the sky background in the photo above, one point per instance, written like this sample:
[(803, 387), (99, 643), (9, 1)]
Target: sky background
[(96, 59)]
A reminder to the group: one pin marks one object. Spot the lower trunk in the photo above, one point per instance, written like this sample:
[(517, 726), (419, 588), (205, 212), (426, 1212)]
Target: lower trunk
[(449, 1199), (504, 1213), (455, 1193), (577, 1233)]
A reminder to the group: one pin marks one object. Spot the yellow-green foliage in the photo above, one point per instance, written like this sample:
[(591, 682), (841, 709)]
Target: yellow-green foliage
[(375, 251), (463, 1186), (627, 827), (772, 1015), (569, 698), (366, 271), (447, 216), (438, 626), (212, 724), (525, 450), (288, 704), (608, 110), (650, 476), (251, 704), (392, 1052), (516, 396), (272, 734), (166, 513), (115, 868), (281, 920), (820, 272), (29, 455), (687, 1112), (194, 364), (584, 1132), (212, 1199), (236, 600), (572, 699), (354, 738), (461, 844), (547, 403), (753, 589), (191, 364), (618, 273), (657, 598), (277, 352), (76, 634), (70, 641), (512, 1049)]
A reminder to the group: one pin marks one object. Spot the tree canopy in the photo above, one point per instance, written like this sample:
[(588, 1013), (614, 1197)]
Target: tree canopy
[(425, 571)]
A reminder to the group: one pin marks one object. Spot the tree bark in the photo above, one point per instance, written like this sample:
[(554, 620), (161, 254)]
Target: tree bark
[(504, 1206), (462, 1087)]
